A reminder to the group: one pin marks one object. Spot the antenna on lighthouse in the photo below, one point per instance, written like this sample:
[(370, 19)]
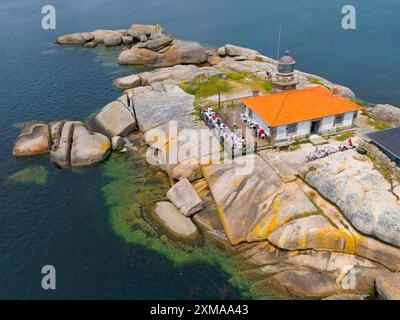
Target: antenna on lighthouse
[(279, 43)]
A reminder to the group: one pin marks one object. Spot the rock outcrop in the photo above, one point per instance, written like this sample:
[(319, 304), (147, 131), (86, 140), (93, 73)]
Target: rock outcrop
[(175, 224), (100, 35), (387, 114), (181, 52), (132, 81), (185, 198), (250, 203), (88, 148), (178, 73), (115, 119), (34, 139), (360, 191), (112, 39), (78, 147), (76, 38), (145, 29), (156, 44), (388, 285), (235, 51)]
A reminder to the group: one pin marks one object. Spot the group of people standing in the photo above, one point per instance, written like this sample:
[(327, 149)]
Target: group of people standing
[(235, 142), (258, 132)]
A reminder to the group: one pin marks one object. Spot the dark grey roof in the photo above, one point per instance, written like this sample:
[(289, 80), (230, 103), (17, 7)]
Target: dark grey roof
[(388, 140), (286, 59)]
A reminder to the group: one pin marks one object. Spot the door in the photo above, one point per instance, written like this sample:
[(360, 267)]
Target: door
[(315, 126)]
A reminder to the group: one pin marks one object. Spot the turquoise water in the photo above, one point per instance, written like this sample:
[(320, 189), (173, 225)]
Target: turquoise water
[(66, 221)]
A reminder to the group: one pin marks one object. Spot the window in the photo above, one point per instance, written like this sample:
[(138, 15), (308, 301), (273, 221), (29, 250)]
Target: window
[(338, 120), (291, 128)]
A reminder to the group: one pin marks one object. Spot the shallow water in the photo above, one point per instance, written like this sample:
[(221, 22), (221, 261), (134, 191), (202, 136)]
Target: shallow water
[(68, 222)]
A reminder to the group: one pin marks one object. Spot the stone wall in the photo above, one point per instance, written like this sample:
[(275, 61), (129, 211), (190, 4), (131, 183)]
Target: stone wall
[(381, 159)]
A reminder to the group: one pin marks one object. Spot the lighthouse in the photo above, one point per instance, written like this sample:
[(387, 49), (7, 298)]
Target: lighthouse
[(285, 79)]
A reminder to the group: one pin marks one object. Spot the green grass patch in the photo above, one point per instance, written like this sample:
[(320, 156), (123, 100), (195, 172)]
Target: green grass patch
[(314, 80), (358, 102), (374, 122), (296, 145), (204, 87), (345, 136), (36, 175)]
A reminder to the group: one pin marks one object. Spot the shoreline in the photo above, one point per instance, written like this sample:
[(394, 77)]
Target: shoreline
[(273, 263)]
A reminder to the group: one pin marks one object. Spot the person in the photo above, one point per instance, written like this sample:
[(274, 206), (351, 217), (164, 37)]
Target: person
[(350, 143), (262, 134)]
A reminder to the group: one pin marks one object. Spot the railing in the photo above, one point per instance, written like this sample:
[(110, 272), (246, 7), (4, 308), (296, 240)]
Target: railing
[(228, 147), (287, 80)]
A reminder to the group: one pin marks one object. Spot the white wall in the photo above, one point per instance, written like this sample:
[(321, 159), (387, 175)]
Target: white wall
[(348, 120), (303, 128), (280, 133), (262, 123), (327, 124)]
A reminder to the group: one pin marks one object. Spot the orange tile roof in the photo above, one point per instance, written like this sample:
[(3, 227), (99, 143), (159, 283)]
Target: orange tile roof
[(299, 105)]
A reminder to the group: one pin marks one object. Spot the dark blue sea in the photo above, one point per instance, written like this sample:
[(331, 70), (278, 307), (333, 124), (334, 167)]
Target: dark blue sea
[(71, 221)]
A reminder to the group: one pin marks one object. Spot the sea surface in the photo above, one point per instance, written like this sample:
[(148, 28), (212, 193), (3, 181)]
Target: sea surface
[(67, 218)]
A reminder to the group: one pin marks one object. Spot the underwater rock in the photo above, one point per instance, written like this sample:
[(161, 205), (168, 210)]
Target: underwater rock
[(36, 174)]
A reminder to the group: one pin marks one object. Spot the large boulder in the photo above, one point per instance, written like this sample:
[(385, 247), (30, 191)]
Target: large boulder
[(185, 169), (55, 133), (181, 52), (132, 81), (157, 107), (127, 40), (185, 198), (112, 39), (76, 38), (388, 285), (252, 199), (177, 73), (234, 51), (146, 29), (117, 142), (176, 225), (114, 120), (313, 232), (88, 148), (34, 139), (100, 35), (387, 114), (61, 156), (361, 192), (157, 44)]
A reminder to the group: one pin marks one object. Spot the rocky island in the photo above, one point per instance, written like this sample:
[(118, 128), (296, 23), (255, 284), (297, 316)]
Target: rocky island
[(324, 229)]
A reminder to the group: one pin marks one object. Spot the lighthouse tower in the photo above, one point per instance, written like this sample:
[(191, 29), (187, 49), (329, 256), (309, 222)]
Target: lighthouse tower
[(285, 79)]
